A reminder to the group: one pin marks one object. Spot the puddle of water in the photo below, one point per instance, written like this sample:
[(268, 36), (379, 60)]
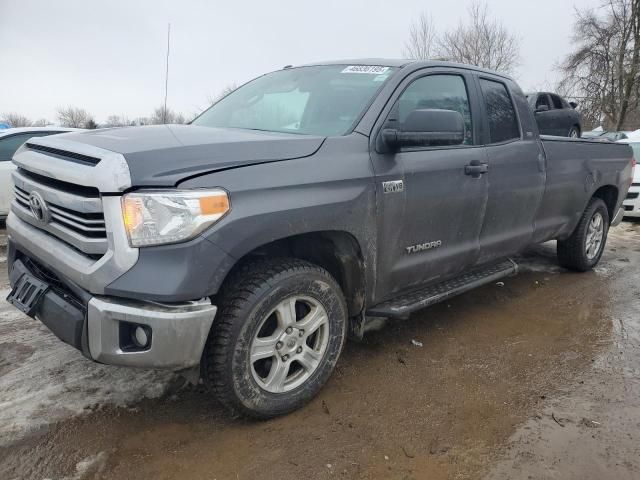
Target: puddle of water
[(590, 429)]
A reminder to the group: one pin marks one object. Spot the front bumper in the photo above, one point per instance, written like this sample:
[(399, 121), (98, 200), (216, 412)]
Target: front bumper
[(101, 327), (178, 332)]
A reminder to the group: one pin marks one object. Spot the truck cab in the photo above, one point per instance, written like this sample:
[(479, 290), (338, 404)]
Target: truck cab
[(293, 213)]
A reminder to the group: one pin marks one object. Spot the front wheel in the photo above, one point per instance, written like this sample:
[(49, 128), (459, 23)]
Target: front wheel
[(583, 249), (279, 331)]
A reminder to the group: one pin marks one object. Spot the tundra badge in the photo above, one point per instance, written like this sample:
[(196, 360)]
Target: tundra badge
[(394, 186), (423, 246)]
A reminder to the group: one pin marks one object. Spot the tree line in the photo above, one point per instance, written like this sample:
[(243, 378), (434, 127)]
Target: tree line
[(602, 71), (74, 117)]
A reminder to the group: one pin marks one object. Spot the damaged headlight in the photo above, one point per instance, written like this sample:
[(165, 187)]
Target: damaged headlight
[(170, 216)]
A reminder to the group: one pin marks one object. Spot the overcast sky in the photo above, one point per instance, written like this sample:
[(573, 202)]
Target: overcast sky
[(108, 56)]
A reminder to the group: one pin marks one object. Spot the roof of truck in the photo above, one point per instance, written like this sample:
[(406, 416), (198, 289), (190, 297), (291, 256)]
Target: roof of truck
[(399, 63)]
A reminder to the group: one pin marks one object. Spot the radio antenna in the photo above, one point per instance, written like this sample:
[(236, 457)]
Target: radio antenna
[(166, 76)]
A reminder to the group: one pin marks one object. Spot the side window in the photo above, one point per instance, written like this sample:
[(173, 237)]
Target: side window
[(557, 102), (543, 99), (501, 114), (445, 92), (11, 143)]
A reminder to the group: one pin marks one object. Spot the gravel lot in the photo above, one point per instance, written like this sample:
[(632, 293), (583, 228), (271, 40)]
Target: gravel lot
[(538, 378)]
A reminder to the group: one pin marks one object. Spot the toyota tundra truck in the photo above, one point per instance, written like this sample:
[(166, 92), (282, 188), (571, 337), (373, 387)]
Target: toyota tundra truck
[(295, 212)]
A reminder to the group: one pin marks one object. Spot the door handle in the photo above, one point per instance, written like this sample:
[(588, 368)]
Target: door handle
[(476, 168)]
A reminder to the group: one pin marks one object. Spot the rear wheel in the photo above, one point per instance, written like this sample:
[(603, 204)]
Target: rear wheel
[(583, 249), (277, 337), (574, 132)]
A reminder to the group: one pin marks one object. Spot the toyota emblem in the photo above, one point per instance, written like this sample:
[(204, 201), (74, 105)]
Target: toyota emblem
[(39, 207)]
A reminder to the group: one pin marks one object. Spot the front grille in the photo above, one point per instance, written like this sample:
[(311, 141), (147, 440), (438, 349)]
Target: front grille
[(75, 214), (632, 195), (628, 208), (87, 224), (64, 155), (635, 184)]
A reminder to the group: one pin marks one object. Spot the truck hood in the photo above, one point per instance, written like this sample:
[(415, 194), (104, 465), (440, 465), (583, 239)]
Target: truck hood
[(164, 155)]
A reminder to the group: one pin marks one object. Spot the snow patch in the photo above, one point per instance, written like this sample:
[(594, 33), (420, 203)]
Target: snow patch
[(43, 380), (92, 465)]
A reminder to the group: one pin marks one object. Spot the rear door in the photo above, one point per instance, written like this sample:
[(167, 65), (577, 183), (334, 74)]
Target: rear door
[(561, 117), (516, 170), (429, 211)]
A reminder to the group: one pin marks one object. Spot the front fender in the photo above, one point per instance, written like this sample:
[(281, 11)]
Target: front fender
[(332, 190)]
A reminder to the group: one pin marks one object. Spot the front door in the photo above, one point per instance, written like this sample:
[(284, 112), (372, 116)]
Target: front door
[(429, 210)]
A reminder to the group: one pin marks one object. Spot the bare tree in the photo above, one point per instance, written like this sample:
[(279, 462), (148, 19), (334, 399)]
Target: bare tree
[(74, 117), (422, 41), (41, 122), (15, 120), (140, 121), (163, 116), (118, 121), (211, 99), (481, 41), (603, 71)]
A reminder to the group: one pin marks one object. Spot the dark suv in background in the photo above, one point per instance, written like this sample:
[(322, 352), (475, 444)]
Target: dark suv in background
[(554, 115)]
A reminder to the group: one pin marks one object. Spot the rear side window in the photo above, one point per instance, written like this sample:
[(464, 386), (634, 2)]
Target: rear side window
[(501, 114), (542, 101), (557, 102)]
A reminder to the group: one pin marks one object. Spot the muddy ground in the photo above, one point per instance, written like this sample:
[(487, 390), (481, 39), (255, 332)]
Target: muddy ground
[(538, 378)]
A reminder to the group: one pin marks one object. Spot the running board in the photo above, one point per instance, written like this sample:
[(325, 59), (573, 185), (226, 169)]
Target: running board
[(401, 307)]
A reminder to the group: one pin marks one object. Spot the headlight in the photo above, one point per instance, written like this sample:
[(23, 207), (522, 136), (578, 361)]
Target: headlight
[(169, 216)]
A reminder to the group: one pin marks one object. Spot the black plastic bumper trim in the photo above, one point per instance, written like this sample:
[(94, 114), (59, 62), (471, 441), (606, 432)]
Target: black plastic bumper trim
[(64, 315)]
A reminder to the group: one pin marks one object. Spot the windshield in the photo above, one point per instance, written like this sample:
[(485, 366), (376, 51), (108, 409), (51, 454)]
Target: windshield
[(320, 100)]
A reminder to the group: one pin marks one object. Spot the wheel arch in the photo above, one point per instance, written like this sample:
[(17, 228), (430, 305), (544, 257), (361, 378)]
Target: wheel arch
[(609, 195), (337, 251)]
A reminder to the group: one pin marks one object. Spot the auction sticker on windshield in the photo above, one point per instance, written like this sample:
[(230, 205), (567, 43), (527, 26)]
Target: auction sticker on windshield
[(370, 69)]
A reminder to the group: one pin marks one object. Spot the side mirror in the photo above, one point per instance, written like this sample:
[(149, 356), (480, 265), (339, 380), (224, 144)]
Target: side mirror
[(573, 105), (426, 127), (542, 108)]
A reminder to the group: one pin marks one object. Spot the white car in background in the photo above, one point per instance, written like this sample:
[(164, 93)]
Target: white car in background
[(10, 140), (631, 203)]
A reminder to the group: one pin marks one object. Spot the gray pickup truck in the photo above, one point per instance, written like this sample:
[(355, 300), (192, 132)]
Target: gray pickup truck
[(293, 213)]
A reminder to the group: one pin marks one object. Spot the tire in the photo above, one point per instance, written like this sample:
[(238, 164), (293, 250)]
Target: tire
[(255, 307), (581, 251), (574, 132)]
